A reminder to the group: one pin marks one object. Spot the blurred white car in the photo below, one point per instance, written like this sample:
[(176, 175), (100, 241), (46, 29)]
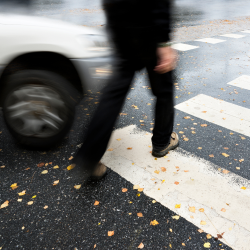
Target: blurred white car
[(44, 65)]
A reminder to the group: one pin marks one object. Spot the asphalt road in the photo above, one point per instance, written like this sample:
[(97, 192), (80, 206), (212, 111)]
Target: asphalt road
[(63, 217)]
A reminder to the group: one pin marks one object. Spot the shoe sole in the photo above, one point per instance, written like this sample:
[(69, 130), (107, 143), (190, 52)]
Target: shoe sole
[(164, 152), (97, 178)]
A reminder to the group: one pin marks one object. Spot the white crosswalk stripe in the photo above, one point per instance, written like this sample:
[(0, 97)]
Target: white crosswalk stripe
[(210, 40), (183, 47), (241, 82), (184, 180), (233, 36), (219, 112), (246, 31)]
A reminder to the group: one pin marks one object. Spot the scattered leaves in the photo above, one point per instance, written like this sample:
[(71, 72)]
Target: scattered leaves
[(124, 190), (45, 207), (241, 160), (96, 203), (176, 183), (203, 222), (201, 210), (22, 193), (224, 154), (178, 206), (111, 233), (71, 166), (44, 172), (163, 169), (30, 203), (154, 223), (242, 138), (71, 157), (191, 209), (55, 183), (40, 164), (77, 186), (176, 217), (55, 167), (207, 245), (136, 186), (5, 204), (244, 188), (157, 171), (211, 155), (14, 186), (139, 214), (209, 236), (200, 230), (141, 246), (185, 139), (203, 125)]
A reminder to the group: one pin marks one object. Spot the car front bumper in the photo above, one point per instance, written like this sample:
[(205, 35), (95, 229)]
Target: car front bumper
[(94, 72)]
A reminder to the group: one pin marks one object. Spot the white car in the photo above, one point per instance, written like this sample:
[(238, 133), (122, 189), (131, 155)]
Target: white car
[(44, 65)]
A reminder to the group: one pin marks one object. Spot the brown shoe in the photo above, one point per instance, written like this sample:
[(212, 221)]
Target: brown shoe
[(174, 143), (99, 172)]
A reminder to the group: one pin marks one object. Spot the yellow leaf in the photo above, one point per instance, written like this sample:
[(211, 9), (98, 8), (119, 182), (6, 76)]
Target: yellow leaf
[(244, 188), (224, 154), (55, 167), (242, 138), (187, 117), (110, 149), (203, 222), (191, 209), (136, 186), (5, 204), (71, 157), (183, 244), (140, 189), (55, 183), (118, 139), (129, 148), (185, 139), (139, 214), (223, 210), (200, 230), (138, 195), (203, 125), (33, 197), (170, 245), (46, 164), (211, 156), (149, 104), (45, 207), (157, 171), (170, 230), (22, 193), (199, 147), (181, 132), (207, 245), (30, 203), (201, 210), (178, 206), (44, 172), (225, 171), (77, 186), (19, 200), (141, 246), (176, 97), (209, 236), (124, 190), (141, 120), (96, 203), (241, 160), (193, 132), (154, 223), (111, 233), (231, 133), (71, 166), (163, 169), (153, 201), (14, 186), (162, 181), (176, 217)]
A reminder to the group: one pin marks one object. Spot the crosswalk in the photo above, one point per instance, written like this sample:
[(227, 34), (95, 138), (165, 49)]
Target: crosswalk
[(207, 195)]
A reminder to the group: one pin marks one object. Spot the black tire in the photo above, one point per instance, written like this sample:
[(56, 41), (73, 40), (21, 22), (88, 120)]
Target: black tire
[(38, 107)]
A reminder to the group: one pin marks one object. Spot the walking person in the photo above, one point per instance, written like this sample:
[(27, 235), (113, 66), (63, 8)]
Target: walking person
[(140, 30)]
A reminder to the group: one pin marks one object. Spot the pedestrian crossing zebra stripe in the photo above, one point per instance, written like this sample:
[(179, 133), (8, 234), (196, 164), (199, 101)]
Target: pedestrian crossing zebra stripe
[(187, 181), (233, 36), (219, 112), (241, 82), (183, 47), (210, 40)]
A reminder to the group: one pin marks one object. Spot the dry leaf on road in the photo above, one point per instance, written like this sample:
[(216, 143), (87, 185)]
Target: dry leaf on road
[(163, 169), (71, 166), (207, 245), (77, 186), (129, 148), (124, 190), (201, 210), (223, 210), (111, 233), (191, 209), (55, 167), (157, 171), (5, 204), (211, 156), (178, 206), (45, 207), (176, 183), (136, 186), (203, 222), (203, 125), (71, 157), (44, 172), (225, 171), (224, 154), (154, 223), (140, 189), (55, 183), (40, 164), (14, 186), (110, 149), (96, 203), (22, 193), (244, 188), (176, 217), (209, 236), (30, 203), (200, 230), (141, 246), (139, 214)]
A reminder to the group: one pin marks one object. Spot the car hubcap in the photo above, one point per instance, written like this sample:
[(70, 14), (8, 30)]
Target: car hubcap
[(36, 110)]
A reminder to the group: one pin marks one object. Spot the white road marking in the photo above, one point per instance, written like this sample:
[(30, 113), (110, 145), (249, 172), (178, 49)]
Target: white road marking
[(219, 112), (241, 82), (233, 35), (183, 47), (210, 40), (201, 185), (246, 31)]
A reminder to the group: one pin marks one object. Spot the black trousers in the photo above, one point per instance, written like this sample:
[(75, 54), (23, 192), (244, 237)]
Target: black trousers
[(111, 102)]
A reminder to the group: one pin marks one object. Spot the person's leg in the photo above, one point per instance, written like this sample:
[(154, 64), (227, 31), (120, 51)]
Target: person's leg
[(162, 87), (101, 125)]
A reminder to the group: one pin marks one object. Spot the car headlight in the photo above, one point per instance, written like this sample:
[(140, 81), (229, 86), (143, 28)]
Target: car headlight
[(96, 43)]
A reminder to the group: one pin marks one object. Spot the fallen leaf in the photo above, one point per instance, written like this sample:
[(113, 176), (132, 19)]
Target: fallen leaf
[(200, 230), (203, 222), (2, 166), (154, 223), (14, 186), (224, 154), (30, 203), (193, 132), (244, 188), (110, 149), (223, 210), (141, 246), (225, 171), (183, 244), (138, 195), (209, 236), (55, 183), (224, 118), (241, 160), (71, 157), (176, 217), (153, 201), (141, 120), (178, 206), (71, 166), (140, 189), (185, 139), (46, 164), (199, 147), (186, 171), (96, 203), (19, 200), (45, 207), (201, 210), (231, 133), (157, 171), (33, 197), (219, 131), (176, 183), (238, 168), (111, 233), (211, 155), (203, 125), (124, 190), (118, 139), (95, 246), (136, 186), (242, 138), (44, 172), (22, 193), (77, 186), (50, 163), (226, 148), (163, 169), (170, 229), (55, 167), (40, 164), (181, 132), (207, 245), (191, 209), (186, 117), (5, 204), (129, 148), (139, 214)]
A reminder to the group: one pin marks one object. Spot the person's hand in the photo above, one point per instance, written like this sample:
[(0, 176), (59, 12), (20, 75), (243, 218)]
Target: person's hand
[(167, 59)]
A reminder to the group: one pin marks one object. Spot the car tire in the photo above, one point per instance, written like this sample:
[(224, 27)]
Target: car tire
[(38, 107)]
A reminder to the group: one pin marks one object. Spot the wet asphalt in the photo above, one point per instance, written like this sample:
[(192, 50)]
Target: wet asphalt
[(71, 220)]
